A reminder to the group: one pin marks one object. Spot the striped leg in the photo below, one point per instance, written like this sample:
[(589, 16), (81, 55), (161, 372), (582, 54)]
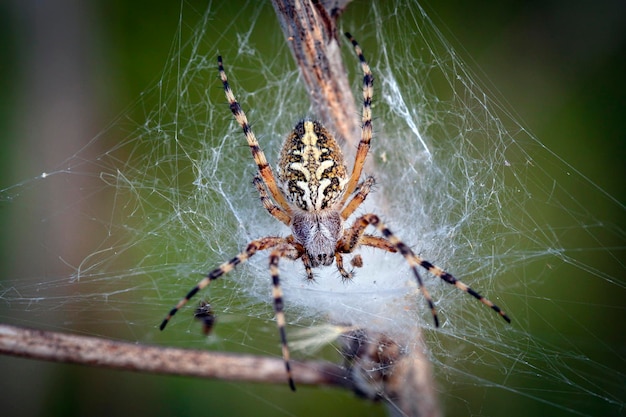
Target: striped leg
[(259, 157), (267, 202), (308, 266), (362, 192), (253, 247), (377, 242), (306, 261), (366, 122), (358, 229), (345, 275), (286, 251)]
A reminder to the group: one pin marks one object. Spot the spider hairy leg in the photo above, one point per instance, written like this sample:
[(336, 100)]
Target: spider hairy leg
[(267, 202), (357, 260), (265, 170), (433, 269), (277, 213), (377, 242), (277, 295), (366, 121), (362, 192), (354, 236), (252, 248), (345, 275), (308, 266)]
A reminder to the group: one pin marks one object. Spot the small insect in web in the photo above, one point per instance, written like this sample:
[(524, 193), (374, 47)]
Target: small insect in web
[(205, 314), (313, 194)]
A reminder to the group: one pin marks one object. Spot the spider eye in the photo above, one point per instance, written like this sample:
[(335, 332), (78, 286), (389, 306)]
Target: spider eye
[(324, 259)]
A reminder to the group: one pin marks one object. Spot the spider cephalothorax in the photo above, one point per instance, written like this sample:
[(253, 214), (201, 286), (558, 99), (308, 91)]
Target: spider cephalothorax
[(318, 233), (314, 195)]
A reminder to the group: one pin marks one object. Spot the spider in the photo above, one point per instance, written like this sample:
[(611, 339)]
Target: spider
[(314, 195)]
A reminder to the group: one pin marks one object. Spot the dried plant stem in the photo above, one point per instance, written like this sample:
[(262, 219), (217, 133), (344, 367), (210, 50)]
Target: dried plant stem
[(93, 351), (310, 31)]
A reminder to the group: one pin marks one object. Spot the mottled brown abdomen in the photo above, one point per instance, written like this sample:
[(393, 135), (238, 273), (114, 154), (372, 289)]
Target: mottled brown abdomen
[(311, 168)]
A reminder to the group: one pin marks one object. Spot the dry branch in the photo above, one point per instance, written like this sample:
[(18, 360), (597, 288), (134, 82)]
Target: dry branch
[(97, 352)]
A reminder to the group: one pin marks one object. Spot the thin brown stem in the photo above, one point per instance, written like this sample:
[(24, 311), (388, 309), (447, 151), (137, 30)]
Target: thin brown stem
[(104, 353), (310, 31)]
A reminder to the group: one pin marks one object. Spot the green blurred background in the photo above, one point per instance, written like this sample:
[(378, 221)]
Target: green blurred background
[(69, 67)]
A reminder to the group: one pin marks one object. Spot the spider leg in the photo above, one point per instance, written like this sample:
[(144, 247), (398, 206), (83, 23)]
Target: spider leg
[(259, 157), (377, 242), (414, 260), (308, 266), (354, 236), (437, 271), (286, 251), (350, 244), (345, 275), (252, 248), (362, 192), (267, 202), (306, 261), (366, 122)]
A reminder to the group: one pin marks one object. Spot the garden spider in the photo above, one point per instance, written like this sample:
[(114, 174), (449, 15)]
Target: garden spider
[(313, 196)]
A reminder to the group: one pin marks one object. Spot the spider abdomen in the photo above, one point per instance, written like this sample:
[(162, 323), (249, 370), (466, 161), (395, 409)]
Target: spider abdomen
[(311, 168)]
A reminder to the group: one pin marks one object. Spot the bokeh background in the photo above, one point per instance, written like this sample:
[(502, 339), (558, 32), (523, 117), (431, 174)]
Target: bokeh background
[(68, 68)]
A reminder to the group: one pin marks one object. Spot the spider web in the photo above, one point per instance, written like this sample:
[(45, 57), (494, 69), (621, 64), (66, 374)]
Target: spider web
[(163, 194)]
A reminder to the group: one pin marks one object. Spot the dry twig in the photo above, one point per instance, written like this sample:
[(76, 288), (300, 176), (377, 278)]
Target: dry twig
[(93, 351)]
